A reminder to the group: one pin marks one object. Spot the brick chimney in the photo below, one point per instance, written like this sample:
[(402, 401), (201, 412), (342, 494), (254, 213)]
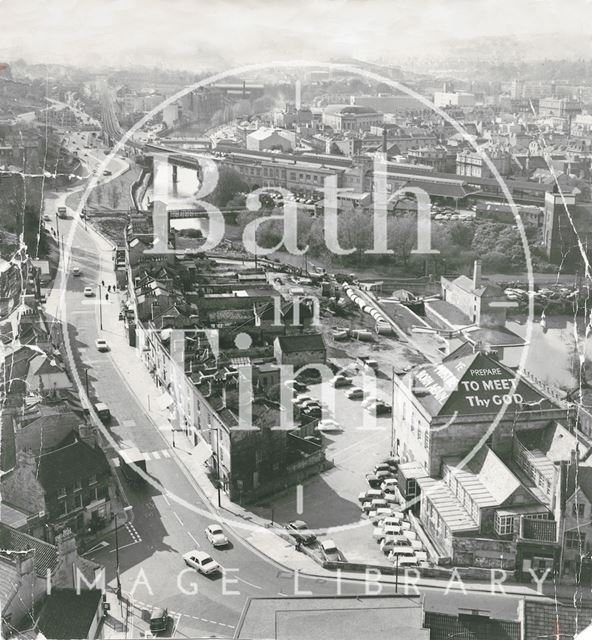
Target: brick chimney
[(67, 558)]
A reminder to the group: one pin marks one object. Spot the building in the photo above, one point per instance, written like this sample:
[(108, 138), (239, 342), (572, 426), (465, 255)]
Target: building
[(434, 157), (559, 237), (72, 485), (397, 104), (85, 614), (330, 618), (351, 117), (454, 99), (472, 163), (300, 350), (559, 108), (265, 138)]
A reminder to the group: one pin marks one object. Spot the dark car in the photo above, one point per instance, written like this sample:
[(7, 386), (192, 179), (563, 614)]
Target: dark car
[(298, 529), (159, 619)]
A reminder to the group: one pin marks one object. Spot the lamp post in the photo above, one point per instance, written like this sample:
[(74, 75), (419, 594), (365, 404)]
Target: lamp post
[(218, 466), (86, 379), (125, 509)]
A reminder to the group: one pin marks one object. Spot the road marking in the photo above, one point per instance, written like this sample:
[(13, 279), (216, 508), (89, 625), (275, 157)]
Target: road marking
[(100, 545), (86, 312), (156, 455), (166, 453), (249, 583), (178, 518), (166, 499), (124, 546), (299, 499), (193, 538)]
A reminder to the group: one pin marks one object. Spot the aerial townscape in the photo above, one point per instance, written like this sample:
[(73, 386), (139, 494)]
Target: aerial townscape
[(293, 348)]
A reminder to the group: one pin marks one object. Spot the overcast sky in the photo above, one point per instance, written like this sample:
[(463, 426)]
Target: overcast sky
[(199, 34)]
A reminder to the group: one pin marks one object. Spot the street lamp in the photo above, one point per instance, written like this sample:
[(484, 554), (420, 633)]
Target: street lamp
[(125, 509), (86, 380)]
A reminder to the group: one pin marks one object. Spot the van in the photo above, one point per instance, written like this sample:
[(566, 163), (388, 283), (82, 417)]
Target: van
[(103, 412)]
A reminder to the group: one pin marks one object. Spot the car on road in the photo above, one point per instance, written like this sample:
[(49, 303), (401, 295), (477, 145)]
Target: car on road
[(216, 536), (298, 529), (89, 292), (328, 424), (101, 344), (330, 551), (159, 619), (201, 561), (106, 172), (47, 217), (355, 393), (103, 412), (76, 272)]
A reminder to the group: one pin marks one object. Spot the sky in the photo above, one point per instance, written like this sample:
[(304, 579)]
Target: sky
[(205, 34)]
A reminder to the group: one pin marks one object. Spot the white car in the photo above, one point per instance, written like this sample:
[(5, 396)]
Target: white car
[(101, 344), (76, 272), (88, 292), (369, 400), (328, 424), (355, 393), (216, 536), (201, 561)]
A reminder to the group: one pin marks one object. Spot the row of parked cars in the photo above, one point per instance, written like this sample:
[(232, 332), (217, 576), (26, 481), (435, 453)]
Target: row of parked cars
[(392, 529)]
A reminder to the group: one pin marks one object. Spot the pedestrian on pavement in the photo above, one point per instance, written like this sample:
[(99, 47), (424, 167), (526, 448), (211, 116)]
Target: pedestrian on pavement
[(106, 296), (108, 287), (298, 546), (103, 283)]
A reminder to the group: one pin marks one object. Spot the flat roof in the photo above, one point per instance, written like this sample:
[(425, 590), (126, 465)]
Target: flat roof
[(332, 618)]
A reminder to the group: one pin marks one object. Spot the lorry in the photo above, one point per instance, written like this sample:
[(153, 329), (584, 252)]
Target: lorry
[(129, 460), (62, 212)]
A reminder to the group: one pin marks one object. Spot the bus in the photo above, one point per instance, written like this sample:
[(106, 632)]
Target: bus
[(129, 457)]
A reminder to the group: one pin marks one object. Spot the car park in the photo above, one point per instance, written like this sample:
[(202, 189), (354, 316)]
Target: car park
[(298, 529), (215, 535), (101, 345), (159, 619), (201, 561)]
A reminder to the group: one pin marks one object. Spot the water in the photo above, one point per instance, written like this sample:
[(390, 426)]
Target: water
[(551, 353), (181, 195)]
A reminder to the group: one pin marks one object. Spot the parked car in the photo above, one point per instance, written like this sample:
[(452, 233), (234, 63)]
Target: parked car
[(376, 515), (370, 494), (374, 481), (201, 561), (368, 401), (216, 536), (330, 551), (159, 619), (102, 410), (89, 292), (101, 345), (295, 385), (389, 485), (328, 424), (313, 411), (382, 466), (355, 393), (298, 529), (340, 381), (301, 399)]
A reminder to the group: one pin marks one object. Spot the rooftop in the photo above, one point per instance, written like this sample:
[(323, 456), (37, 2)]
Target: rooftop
[(81, 611)]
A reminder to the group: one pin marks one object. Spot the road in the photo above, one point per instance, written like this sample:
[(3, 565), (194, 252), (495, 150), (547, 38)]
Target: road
[(151, 545)]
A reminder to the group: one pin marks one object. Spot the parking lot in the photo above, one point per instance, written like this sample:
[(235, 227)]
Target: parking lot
[(330, 500)]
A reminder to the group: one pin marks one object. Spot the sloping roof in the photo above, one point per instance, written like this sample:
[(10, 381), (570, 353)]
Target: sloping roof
[(45, 554), (303, 342), (452, 386), (81, 609), (9, 581), (69, 463)]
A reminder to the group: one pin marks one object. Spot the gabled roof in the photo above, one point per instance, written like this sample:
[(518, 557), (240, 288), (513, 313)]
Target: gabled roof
[(302, 342), (453, 387), (45, 556), (71, 462)]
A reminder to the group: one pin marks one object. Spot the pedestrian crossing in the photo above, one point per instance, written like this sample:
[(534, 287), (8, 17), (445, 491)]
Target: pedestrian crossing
[(148, 455)]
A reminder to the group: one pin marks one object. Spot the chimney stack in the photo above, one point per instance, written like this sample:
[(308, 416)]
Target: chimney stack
[(384, 142), (477, 274)]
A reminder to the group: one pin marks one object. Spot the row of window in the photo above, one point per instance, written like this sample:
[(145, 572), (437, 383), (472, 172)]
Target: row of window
[(77, 486)]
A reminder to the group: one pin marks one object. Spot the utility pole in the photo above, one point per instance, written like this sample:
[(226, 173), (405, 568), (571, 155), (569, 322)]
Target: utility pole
[(86, 380), (393, 411), (218, 465), (396, 573), (117, 559)]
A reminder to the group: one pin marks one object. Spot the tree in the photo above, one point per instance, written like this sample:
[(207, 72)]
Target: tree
[(229, 185)]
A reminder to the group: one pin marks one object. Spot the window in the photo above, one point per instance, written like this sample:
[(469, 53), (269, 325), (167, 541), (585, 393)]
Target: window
[(62, 492), (504, 525), (77, 485), (62, 508), (77, 501), (579, 509), (575, 539), (92, 479)]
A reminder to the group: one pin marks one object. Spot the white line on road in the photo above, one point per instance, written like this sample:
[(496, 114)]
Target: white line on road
[(123, 546), (193, 538), (166, 499), (250, 584), (179, 519)]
